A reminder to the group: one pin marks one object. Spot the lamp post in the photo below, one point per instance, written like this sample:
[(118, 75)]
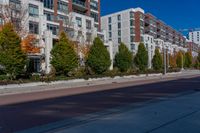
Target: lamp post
[(182, 62), (165, 62)]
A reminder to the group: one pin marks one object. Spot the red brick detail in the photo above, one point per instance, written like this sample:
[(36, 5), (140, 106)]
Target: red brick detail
[(70, 6), (137, 27), (88, 7), (99, 15), (55, 9)]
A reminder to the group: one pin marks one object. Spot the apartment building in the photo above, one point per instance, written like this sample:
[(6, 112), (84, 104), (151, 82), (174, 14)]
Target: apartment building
[(125, 26), (80, 19), (133, 26), (194, 36)]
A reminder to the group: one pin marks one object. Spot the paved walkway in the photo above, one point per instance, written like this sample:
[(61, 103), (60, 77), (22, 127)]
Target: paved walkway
[(41, 86), (178, 115)]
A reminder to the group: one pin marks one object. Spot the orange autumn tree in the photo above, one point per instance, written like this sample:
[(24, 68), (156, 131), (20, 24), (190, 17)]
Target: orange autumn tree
[(27, 45)]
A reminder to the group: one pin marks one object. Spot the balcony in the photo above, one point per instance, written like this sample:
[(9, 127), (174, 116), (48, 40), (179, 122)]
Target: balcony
[(79, 5)]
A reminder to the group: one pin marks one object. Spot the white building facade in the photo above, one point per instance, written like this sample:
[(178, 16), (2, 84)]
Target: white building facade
[(194, 36), (80, 19), (133, 26)]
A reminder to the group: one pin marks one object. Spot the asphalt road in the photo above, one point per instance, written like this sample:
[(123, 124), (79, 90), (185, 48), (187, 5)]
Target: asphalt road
[(67, 109)]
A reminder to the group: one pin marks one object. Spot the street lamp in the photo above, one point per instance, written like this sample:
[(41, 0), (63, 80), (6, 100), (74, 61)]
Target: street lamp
[(182, 62), (165, 62)]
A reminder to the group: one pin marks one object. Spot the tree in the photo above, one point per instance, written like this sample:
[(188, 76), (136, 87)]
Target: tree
[(172, 61), (179, 59), (12, 58), (197, 62), (157, 61), (64, 58), (141, 58), (99, 57), (198, 57), (28, 44), (124, 58), (17, 15), (188, 60)]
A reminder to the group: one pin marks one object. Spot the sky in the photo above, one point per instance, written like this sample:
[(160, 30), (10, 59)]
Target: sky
[(180, 14)]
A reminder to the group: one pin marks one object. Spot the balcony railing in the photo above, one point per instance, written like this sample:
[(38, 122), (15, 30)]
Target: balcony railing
[(78, 2)]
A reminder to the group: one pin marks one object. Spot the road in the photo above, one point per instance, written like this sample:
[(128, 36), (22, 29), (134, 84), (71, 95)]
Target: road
[(49, 115)]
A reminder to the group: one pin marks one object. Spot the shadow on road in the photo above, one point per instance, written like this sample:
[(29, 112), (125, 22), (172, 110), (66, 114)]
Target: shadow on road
[(31, 114)]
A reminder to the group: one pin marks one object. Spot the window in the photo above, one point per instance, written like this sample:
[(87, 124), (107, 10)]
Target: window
[(110, 27), (132, 46), (88, 24), (95, 16), (50, 16), (131, 14), (15, 4), (132, 22), (48, 4), (62, 6), (94, 5), (33, 27), (119, 32), (110, 34), (118, 17), (79, 21), (119, 40), (65, 19), (141, 23), (132, 38), (109, 20), (119, 25), (132, 30), (33, 10), (141, 16), (53, 28)]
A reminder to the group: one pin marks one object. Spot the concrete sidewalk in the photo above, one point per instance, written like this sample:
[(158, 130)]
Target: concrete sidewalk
[(57, 85)]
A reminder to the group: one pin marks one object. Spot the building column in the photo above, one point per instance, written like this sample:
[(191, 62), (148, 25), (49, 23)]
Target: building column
[(48, 36)]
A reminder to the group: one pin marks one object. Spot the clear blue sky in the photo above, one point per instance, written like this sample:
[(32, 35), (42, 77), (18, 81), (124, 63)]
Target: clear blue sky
[(179, 14)]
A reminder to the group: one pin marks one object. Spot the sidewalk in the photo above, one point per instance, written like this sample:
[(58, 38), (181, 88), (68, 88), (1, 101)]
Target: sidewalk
[(57, 85)]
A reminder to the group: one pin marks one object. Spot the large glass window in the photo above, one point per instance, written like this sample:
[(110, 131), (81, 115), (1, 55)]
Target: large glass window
[(132, 38), (48, 4), (79, 21), (33, 10), (132, 22), (50, 16), (53, 28), (118, 17), (132, 30), (132, 46), (109, 20), (94, 5), (95, 16), (15, 4), (62, 6), (131, 15), (33, 27), (88, 24), (119, 25), (110, 27), (65, 19)]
